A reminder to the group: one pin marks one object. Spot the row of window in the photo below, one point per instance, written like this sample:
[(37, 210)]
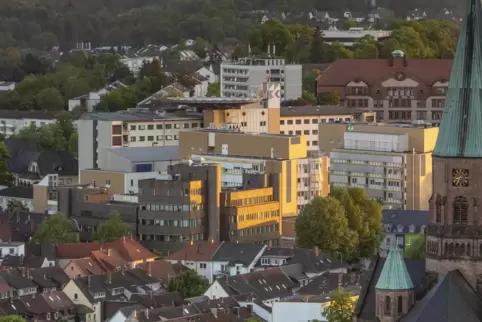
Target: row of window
[(305, 132), (150, 138), (249, 201), (172, 207), (460, 210), (255, 230), (256, 216), (143, 127), (313, 121), (171, 238), (172, 223)]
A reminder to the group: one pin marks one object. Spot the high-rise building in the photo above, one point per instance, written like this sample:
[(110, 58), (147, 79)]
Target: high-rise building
[(243, 78), (391, 163)]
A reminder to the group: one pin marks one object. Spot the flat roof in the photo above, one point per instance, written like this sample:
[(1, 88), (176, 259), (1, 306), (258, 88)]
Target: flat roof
[(355, 33), (215, 100), (148, 154), (208, 130), (139, 114), (318, 110), (39, 115)]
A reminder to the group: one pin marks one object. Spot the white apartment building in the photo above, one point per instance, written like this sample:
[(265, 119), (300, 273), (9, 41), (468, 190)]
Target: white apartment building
[(349, 37), (11, 121), (243, 78), (132, 128), (304, 120)]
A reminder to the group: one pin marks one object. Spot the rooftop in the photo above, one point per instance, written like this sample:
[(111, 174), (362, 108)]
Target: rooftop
[(147, 154), (406, 217), (394, 274), (139, 114), (38, 115), (214, 100), (317, 110), (17, 192), (225, 131), (355, 33)]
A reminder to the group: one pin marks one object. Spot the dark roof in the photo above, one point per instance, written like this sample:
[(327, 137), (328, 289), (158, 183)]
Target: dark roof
[(327, 283), (418, 218), (374, 71), (154, 301), (365, 307), (48, 277), (22, 224), (198, 251), (307, 258), (76, 250), (317, 110), (237, 253), (30, 261), (15, 114), (17, 192), (18, 278), (62, 162), (267, 284), (451, 300), (46, 250), (16, 146)]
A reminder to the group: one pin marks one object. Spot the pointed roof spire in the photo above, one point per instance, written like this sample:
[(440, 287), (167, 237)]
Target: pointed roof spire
[(461, 126), (394, 274)]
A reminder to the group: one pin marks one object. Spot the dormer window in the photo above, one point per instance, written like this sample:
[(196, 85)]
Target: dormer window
[(400, 228), (388, 228), (33, 167), (411, 229)]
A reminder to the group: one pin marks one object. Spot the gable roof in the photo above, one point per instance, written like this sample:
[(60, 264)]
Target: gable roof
[(237, 253), (373, 71), (195, 251), (130, 249), (394, 274), (61, 162), (451, 300), (22, 192), (418, 218), (88, 266), (76, 250)]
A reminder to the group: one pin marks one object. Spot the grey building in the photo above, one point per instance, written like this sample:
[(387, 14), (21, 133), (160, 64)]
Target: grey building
[(244, 77), (140, 159), (131, 128)]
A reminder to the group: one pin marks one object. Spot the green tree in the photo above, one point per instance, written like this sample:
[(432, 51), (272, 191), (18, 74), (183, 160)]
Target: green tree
[(188, 284), (307, 96), (338, 51), (416, 250), (323, 223), (65, 121), (14, 204), (366, 47), (253, 319), (12, 318), (214, 89), (56, 228), (309, 81), (112, 229), (348, 23), (49, 137), (6, 177), (340, 308), (328, 98), (74, 143), (50, 99), (317, 54)]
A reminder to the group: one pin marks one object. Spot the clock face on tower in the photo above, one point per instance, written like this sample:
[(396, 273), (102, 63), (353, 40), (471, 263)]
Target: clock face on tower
[(400, 76), (460, 177)]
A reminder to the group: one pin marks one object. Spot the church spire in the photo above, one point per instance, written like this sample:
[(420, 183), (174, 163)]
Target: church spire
[(394, 275), (461, 126)]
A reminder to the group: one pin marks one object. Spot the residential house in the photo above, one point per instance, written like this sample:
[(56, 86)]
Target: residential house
[(7, 86), (196, 256), (269, 286), (91, 291), (236, 259), (81, 267), (402, 228), (135, 62), (49, 279), (90, 100), (11, 248), (208, 73), (30, 261), (416, 14), (12, 121), (19, 225), (19, 280), (312, 261), (68, 251), (21, 194), (162, 269)]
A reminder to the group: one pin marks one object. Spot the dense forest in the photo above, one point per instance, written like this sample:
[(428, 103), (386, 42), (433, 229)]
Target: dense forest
[(45, 23)]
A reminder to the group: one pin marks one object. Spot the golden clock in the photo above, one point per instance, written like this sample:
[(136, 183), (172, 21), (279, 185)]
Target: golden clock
[(460, 177)]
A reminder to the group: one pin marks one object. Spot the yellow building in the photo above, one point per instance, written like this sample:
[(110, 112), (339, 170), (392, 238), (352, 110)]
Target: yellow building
[(393, 163)]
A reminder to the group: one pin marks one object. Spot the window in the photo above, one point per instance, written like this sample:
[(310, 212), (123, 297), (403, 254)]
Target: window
[(142, 138), (107, 182), (314, 121), (298, 121), (177, 126), (264, 261), (159, 126), (150, 138), (133, 127), (11, 251), (168, 126), (314, 132), (186, 125), (142, 127), (282, 122), (150, 127), (314, 143), (202, 265), (306, 121), (400, 305), (76, 296), (133, 139), (438, 210), (460, 210), (388, 305), (290, 122), (159, 138), (194, 125), (306, 132)]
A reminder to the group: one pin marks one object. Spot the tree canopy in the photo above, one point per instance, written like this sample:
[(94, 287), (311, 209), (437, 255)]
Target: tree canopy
[(14, 204), (12, 318), (416, 250), (112, 229), (188, 284), (56, 228), (6, 177), (340, 308), (346, 224)]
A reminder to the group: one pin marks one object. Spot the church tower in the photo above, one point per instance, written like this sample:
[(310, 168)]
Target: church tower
[(394, 292), (454, 234)]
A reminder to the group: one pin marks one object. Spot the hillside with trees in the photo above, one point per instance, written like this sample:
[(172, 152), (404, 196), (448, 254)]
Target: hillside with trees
[(42, 24)]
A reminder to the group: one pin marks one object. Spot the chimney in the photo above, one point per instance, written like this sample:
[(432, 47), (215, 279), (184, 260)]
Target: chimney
[(250, 309), (32, 226), (340, 279), (150, 295), (88, 281), (109, 252), (124, 239), (199, 248), (146, 313), (27, 272), (317, 251), (270, 243), (135, 313), (214, 311), (109, 277), (212, 241), (149, 268)]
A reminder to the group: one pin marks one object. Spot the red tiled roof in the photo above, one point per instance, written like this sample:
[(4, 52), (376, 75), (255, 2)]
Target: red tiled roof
[(109, 259), (198, 251), (76, 250), (130, 249), (160, 269), (88, 266), (373, 71)]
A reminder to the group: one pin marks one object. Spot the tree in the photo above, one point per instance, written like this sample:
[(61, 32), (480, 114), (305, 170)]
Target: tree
[(316, 51), (56, 228), (12, 318), (65, 121), (346, 224), (49, 137), (340, 307), (112, 229), (188, 284), (14, 204), (214, 89), (348, 23), (366, 47), (323, 223), (50, 99), (6, 177), (309, 81), (74, 143), (416, 250), (328, 98)]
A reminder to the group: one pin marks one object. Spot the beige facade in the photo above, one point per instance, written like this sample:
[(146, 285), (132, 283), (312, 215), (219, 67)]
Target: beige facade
[(392, 163), (75, 295)]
